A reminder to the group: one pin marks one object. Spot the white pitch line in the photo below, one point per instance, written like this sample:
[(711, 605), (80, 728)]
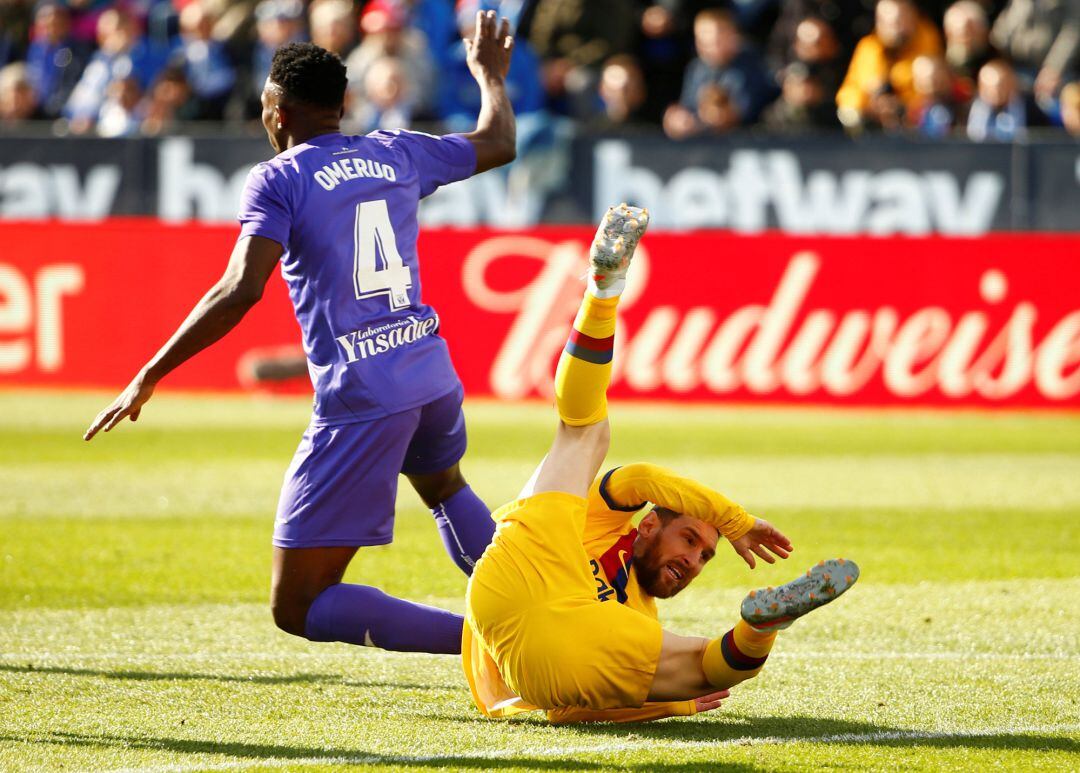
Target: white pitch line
[(17, 657), (645, 744)]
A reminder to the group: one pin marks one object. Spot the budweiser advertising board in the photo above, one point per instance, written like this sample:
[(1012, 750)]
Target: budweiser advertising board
[(708, 316)]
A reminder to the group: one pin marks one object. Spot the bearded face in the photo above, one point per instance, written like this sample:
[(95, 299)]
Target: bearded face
[(670, 551)]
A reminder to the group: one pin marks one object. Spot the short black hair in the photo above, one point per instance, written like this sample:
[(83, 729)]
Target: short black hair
[(666, 516), (310, 74)]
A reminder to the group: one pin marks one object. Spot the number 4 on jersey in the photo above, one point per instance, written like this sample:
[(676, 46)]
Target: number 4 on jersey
[(374, 239)]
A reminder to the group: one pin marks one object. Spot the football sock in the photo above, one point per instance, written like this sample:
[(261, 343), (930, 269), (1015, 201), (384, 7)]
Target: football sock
[(581, 380), (465, 526), (360, 614), (736, 656)]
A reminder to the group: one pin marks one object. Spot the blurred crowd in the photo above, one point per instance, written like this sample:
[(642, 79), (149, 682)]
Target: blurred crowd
[(981, 69)]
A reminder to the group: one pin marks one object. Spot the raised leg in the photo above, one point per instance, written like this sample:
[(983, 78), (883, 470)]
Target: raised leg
[(584, 371), (690, 666)]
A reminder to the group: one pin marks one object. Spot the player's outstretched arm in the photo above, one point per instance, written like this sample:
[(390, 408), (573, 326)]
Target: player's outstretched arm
[(630, 487), (647, 713), (252, 261), (495, 136)]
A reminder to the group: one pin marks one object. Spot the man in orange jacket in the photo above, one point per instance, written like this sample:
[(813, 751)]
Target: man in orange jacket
[(879, 86)]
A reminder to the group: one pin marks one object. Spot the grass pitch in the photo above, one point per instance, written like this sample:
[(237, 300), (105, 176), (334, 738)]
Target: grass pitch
[(135, 633)]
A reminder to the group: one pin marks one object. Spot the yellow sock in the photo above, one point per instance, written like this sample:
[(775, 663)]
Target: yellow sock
[(581, 380), (736, 656)]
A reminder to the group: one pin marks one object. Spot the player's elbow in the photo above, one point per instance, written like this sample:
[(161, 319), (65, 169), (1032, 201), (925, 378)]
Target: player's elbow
[(495, 153), (508, 151)]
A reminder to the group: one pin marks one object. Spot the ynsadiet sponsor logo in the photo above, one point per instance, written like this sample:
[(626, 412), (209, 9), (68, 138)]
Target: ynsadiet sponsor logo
[(361, 344)]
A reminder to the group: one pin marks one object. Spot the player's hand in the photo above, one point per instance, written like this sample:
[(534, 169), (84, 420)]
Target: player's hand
[(760, 540), (129, 403), (488, 50), (710, 701)]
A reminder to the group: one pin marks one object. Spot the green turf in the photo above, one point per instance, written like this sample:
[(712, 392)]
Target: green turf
[(134, 631)]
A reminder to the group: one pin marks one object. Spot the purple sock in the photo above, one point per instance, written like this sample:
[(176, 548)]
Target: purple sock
[(360, 614), (466, 527)]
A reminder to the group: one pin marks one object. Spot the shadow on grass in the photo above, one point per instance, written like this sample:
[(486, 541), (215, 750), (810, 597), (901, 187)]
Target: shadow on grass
[(752, 731), (595, 740), (155, 676), (339, 757)]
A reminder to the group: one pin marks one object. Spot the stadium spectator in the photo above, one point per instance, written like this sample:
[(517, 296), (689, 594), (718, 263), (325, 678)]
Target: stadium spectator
[(1070, 108), (940, 101), (805, 103), (54, 59), (121, 52), (1042, 38), (816, 46), (18, 102), (724, 60), (15, 21), (209, 71), (436, 19), (85, 16), (119, 115), (234, 20), (459, 97), (665, 48), (386, 34), (622, 95), (168, 102), (386, 99), (1001, 111), (967, 41), (850, 21), (332, 24), (573, 39), (655, 47), (277, 23), (879, 85)]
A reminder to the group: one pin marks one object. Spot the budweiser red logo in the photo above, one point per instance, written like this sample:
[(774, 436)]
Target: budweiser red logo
[(992, 321), (809, 335)]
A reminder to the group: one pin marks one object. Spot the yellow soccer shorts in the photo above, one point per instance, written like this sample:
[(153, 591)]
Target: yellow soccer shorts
[(532, 604)]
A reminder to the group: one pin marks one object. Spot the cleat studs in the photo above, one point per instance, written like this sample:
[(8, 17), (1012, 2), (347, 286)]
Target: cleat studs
[(848, 579), (757, 610), (774, 606), (825, 577), (753, 594)]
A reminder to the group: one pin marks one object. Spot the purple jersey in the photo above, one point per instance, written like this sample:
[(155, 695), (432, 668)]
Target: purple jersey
[(344, 209)]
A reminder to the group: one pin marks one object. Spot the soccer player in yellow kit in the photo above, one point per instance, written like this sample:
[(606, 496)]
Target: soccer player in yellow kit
[(560, 610)]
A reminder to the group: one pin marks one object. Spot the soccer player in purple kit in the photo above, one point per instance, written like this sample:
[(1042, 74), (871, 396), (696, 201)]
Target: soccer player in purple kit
[(340, 214)]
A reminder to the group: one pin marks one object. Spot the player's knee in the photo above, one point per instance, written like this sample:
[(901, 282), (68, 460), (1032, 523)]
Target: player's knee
[(435, 488), (590, 442), (289, 612)]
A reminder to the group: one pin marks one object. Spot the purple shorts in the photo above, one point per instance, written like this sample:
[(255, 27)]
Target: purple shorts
[(342, 484)]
